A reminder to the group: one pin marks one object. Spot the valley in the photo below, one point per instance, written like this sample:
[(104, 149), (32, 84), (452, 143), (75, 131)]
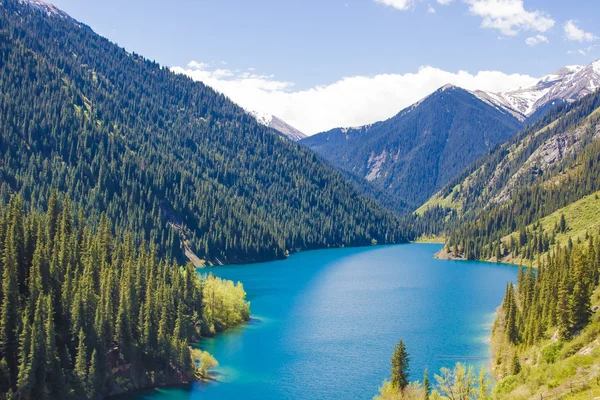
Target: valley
[(161, 239)]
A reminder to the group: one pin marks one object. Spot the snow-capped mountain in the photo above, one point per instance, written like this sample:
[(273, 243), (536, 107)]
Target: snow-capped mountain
[(567, 84), (277, 124), (46, 7)]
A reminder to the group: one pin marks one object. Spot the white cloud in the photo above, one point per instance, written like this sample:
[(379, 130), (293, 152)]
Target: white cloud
[(444, 2), (572, 32), (398, 4), (509, 16), (584, 52), (535, 40), (430, 9), (351, 101)]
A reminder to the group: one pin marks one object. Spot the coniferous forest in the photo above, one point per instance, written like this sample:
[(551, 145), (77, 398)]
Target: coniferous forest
[(166, 158), (85, 314), (482, 229)]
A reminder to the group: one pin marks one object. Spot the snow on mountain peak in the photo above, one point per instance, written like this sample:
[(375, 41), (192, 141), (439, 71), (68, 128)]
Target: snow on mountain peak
[(569, 83), (262, 118), (596, 66), (46, 7), (277, 124)]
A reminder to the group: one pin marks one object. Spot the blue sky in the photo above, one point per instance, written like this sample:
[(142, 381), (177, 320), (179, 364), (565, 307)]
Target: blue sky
[(302, 46)]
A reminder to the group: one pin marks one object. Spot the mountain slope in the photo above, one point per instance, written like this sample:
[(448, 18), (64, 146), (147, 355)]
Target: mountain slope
[(164, 157), (416, 152), (528, 158), (568, 84), (546, 167), (278, 125)]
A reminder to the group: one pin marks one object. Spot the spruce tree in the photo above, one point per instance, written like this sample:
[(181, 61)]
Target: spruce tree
[(400, 366), (81, 363), (10, 299)]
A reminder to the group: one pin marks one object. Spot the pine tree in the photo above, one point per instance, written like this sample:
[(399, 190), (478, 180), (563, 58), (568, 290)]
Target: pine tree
[(81, 363), (511, 316), (96, 379), (563, 314), (515, 366), (563, 223), (10, 301), (400, 366)]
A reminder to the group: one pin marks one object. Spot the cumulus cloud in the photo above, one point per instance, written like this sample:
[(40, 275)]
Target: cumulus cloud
[(444, 2), (430, 9), (535, 40), (574, 33), (509, 16), (398, 4), (350, 101)]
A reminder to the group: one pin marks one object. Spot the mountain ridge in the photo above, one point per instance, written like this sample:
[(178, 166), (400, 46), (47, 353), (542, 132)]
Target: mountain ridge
[(568, 84)]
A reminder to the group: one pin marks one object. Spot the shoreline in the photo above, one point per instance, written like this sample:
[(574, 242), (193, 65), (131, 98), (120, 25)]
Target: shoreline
[(209, 378)]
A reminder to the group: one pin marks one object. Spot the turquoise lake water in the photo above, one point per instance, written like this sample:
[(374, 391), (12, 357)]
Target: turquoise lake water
[(324, 323)]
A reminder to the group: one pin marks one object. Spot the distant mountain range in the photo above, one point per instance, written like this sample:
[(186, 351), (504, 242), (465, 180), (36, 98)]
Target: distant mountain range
[(565, 85), (415, 153), (278, 125)]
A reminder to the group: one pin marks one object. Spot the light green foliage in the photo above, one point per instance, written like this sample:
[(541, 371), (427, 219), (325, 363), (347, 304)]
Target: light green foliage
[(458, 383), (207, 361), (550, 352), (224, 303)]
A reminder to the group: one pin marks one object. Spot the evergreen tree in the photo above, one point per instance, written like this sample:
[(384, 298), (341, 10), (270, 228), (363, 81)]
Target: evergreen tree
[(400, 366)]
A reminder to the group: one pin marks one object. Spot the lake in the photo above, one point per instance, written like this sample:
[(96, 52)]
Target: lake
[(324, 323)]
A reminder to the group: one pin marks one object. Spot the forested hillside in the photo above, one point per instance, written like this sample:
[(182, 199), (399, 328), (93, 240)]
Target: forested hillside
[(545, 337), (84, 314), (548, 167), (165, 158), (415, 153), (534, 201)]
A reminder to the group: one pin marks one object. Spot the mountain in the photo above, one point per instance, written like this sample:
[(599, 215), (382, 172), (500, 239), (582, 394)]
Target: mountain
[(534, 201), (415, 153), (546, 151), (565, 85), (166, 159), (278, 125)]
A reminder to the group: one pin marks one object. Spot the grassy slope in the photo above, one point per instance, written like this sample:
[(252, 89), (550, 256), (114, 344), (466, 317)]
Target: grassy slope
[(573, 374), (582, 216)]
